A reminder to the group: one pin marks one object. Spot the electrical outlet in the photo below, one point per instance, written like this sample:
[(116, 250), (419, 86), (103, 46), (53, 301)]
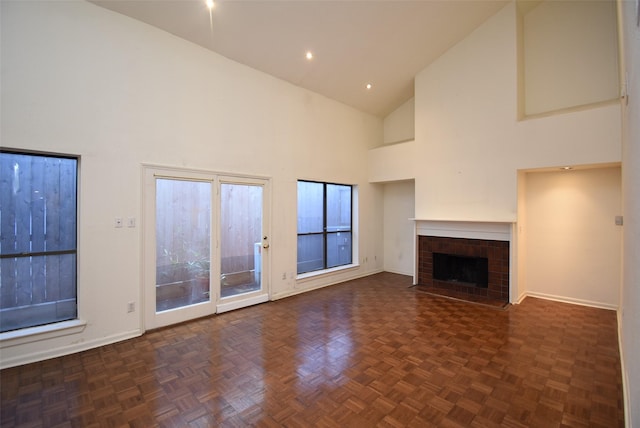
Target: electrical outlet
[(284, 275), (131, 307)]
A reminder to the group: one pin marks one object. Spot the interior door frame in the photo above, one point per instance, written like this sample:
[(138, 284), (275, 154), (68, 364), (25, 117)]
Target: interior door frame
[(152, 319)]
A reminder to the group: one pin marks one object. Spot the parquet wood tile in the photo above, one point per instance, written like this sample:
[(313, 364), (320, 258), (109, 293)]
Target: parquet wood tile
[(372, 352)]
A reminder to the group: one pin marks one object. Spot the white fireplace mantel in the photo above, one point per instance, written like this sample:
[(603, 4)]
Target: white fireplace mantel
[(492, 230)]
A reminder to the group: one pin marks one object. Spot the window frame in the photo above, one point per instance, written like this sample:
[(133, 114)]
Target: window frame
[(64, 324), (325, 232)]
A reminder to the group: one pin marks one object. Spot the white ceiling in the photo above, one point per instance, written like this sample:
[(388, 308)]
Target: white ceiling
[(354, 42)]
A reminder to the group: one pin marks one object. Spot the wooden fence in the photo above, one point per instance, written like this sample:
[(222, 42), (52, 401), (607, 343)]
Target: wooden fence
[(37, 239), (183, 235), (241, 226)]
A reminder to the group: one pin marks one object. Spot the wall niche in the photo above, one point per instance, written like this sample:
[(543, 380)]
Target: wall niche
[(568, 55)]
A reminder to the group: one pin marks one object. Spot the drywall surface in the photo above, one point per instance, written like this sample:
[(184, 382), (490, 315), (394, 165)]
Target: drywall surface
[(469, 144), (399, 234), (570, 55), (573, 246), (399, 125), (78, 79), (392, 163)]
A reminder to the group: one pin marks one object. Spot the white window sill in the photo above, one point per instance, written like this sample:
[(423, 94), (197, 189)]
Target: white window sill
[(320, 273), (43, 332)]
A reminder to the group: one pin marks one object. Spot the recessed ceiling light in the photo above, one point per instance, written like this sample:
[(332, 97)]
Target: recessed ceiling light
[(210, 4), (368, 86), (309, 55)]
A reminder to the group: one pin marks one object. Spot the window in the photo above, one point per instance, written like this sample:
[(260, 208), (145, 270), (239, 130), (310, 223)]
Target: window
[(324, 225), (37, 239)]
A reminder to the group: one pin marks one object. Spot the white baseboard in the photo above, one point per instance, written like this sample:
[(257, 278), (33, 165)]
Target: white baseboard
[(565, 299), (625, 379), (19, 360), (399, 272), (520, 298), (294, 292)]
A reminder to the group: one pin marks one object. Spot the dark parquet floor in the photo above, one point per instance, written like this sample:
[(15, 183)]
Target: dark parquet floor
[(367, 353)]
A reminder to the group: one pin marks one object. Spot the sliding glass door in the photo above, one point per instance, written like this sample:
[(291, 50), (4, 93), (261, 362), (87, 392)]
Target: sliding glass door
[(183, 242), (205, 244), (240, 239), (244, 242)]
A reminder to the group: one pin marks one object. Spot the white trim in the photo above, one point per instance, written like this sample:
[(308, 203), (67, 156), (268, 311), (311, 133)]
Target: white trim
[(462, 220), (513, 263), (294, 292), (399, 272), (169, 169), (33, 357), (625, 378), (415, 252), (42, 332), (490, 230), (564, 299), (318, 273), (520, 298), (237, 304)]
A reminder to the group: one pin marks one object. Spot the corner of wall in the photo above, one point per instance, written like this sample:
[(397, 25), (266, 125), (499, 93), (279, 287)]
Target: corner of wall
[(399, 125)]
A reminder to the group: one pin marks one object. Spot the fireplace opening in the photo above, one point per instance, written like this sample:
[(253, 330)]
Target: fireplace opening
[(463, 270)]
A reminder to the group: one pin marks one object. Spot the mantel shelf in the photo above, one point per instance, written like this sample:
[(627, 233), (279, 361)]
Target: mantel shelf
[(432, 220), (496, 230)]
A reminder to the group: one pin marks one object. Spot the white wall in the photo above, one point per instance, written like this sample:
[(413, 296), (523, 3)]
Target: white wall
[(469, 141), (570, 54), (629, 315), (573, 247), (399, 234), (399, 125), (465, 127), (78, 79), (520, 236), (392, 163)]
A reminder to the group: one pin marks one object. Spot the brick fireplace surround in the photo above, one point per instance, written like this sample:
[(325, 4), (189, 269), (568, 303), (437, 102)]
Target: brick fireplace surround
[(497, 253)]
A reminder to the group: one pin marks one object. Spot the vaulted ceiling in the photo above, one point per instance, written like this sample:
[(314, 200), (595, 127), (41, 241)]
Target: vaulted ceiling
[(354, 42)]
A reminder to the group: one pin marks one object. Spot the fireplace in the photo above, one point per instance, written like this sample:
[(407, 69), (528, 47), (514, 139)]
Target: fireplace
[(470, 269)]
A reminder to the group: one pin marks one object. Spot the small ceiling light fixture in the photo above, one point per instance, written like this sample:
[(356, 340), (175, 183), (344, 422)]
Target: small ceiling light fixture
[(368, 86), (210, 4), (567, 168), (309, 55)]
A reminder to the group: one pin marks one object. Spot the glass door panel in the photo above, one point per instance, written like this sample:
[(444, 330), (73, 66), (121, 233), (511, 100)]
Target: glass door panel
[(205, 244), (241, 239), (183, 238)]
